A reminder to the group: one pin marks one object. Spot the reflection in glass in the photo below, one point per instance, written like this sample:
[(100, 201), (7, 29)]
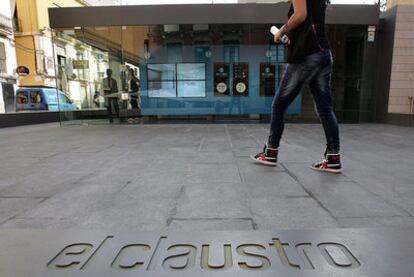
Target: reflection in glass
[(191, 80), (191, 71), (215, 69), (191, 88), (161, 80), (162, 89)]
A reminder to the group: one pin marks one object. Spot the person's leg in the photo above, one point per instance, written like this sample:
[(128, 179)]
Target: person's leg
[(139, 104), (110, 110), (134, 104), (320, 87), (116, 107), (295, 78)]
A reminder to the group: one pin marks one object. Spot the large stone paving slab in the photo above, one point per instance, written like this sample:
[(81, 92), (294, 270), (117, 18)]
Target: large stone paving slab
[(378, 222), (347, 199), (278, 184), (199, 176), (213, 201), (290, 213), (212, 224), (11, 207)]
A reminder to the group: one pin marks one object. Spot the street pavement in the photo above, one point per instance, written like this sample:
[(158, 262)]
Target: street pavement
[(199, 177)]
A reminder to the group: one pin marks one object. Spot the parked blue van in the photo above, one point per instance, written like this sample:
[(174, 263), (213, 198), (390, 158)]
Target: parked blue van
[(42, 99)]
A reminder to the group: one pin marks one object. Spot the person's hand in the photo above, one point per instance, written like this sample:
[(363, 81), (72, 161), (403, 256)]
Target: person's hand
[(278, 37)]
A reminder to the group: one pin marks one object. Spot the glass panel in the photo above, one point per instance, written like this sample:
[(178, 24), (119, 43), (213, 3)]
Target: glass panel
[(161, 89), (191, 71), (35, 97), (161, 80), (191, 80), (191, 88), (115, 74), (23, 97), (91, 74), (161, 72)]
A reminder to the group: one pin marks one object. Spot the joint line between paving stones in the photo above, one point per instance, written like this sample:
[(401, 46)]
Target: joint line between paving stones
[(291, 174), (380, 197), (173, 211), (250, 134), (45, 198), (254, 224), (23, 211), (22, 197), (370, 217), (228, 135), (124, 186), (201, 144)]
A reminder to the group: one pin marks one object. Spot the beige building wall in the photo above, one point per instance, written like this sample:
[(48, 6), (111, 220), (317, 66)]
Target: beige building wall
[(43, 5), (129, 38), (401, 97), (392, 3), (33, 17)]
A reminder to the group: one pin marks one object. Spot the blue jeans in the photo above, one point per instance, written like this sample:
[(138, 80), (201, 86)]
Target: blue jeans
[(314, 71)]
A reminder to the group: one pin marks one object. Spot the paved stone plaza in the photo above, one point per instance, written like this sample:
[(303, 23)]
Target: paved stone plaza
[(199, 177)]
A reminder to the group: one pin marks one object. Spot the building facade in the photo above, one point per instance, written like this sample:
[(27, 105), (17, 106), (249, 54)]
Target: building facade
[(7, 57), (396, 78), (220, 60), (393, 3), (49, 56)]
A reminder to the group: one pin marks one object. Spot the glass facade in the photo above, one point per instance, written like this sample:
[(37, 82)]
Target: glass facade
[(215, 70)]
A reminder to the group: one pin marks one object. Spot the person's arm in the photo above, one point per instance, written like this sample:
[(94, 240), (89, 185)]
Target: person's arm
[(299, 15)]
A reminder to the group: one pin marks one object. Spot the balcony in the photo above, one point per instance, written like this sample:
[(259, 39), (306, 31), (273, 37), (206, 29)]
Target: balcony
[(6, 25)]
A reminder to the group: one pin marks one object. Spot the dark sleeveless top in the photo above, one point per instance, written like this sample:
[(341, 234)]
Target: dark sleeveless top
[(317, 9), (134, 85)]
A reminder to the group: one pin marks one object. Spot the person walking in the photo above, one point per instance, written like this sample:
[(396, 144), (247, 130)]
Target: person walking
[(110, 87), (134, 86), (309, 64)]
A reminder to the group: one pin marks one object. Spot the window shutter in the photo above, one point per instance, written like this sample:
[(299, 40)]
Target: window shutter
[(3, 60)]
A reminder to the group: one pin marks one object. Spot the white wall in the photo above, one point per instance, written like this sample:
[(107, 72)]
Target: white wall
[(5, 9)]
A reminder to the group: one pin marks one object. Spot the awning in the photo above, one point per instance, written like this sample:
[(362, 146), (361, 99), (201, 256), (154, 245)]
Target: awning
[(201, 14)]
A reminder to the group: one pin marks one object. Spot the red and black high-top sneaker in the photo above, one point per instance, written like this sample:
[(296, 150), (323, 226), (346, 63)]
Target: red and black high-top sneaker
[(331, 163), (267, 157)]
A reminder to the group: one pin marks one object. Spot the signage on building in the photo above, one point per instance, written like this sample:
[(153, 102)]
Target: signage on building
[(80, 64), (221, 87), (241, 79), (300, 253), (221, 79), (241, 88), (267, 79), (22, 71), (371, 33)]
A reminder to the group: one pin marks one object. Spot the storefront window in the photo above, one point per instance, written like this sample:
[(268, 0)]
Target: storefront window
[(161, 80), (182, 70)]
